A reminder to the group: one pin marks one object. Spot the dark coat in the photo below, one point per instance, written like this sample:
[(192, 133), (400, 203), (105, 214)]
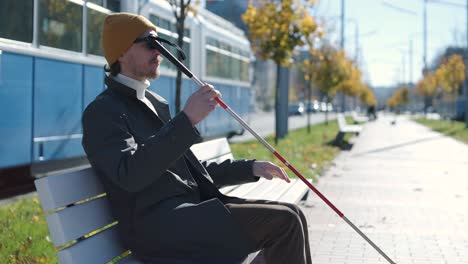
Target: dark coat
[(167, 202)]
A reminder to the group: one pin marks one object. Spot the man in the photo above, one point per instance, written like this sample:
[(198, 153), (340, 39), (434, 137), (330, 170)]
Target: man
[(167, 203)]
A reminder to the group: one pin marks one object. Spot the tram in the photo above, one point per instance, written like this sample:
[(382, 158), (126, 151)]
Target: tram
[(51, 68)]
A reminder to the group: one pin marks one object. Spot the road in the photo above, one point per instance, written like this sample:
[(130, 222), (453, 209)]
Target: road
[(264, 123)]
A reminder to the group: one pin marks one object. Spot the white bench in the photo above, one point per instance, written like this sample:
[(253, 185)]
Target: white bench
[(359, 118), (345, 128), (76, 206)]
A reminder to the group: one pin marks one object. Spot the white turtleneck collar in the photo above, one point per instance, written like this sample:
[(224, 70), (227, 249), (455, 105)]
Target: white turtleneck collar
[(139, 86)]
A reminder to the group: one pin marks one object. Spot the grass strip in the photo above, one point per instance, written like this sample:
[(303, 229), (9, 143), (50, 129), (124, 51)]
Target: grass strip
[(453, 129)]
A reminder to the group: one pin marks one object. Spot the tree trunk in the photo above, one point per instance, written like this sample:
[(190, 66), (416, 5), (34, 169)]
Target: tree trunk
[(426, 103), (326, 110), (178, 91), (277, 127), (180, 42), (309, 105)]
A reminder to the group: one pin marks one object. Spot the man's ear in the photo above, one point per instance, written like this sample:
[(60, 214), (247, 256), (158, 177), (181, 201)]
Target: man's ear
[(122, 58)]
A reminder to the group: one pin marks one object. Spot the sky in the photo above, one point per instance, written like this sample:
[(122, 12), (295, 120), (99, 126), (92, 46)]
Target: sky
[(386, 29)]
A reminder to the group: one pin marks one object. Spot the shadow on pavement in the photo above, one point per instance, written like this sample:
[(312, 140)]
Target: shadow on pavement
[(399, 145), (343, 145)]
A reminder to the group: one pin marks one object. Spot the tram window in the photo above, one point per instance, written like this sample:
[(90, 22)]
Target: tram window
[(244, 74), (210, 41), (212, 61), (215, 63), (171, 49), (226, 66), (97, 2), (155, 20), (16, 20), (167, 25), (186, 50), (60, 24), (113, 5), (162, 23), (94, 35), (235, 68), (226, 61), (224, 46)]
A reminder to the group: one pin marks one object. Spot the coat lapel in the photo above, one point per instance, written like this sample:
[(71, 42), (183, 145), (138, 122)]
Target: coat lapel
[(129, 94), (161, 106)]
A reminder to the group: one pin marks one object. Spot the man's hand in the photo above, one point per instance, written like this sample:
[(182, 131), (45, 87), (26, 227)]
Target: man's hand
[(269, 170), (201, 103)]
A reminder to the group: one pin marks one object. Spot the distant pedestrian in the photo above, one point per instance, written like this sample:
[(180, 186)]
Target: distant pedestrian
[(371, 112)]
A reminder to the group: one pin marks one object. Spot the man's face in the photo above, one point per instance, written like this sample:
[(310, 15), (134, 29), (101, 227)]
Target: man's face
[(141, 62)]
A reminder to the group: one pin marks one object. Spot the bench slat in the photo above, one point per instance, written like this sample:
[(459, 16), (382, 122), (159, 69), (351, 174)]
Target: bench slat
[(100, 248), (344, 127), (273, 190), (245, 188), (278, 189), (295, 192), (262, 189), (211, 149), (76, 221), (59, 190), (358, 118), (228, 189)]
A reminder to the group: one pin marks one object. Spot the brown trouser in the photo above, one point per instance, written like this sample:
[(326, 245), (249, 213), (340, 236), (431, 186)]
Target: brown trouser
[(278, 229)]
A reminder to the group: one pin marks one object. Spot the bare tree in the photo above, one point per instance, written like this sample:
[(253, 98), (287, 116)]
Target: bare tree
[(180, 9)]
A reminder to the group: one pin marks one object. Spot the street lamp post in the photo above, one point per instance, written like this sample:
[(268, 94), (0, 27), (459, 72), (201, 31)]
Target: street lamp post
[(425, 38), (356, 44), (342, 46), (427, 99), (342, 40), (410, 60), (342, 43), (466, 63)]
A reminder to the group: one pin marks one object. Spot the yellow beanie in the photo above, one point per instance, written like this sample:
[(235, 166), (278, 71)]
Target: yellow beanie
[(119, 31)]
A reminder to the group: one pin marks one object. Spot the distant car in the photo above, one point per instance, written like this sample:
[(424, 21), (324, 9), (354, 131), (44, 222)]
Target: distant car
[(326, 107), (323, 106), (296, 109), (312, 107)]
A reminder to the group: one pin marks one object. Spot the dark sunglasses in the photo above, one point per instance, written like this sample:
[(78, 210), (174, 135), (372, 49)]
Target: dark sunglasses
[(151, 43)]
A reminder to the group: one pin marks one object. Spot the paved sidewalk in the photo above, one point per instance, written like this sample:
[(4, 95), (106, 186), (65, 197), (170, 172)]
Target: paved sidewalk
[(404, 186)]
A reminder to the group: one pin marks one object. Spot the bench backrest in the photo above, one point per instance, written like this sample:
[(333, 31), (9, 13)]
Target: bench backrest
[(76, 206), (354, 115), (341, 121), (359, 119), (215, 150)]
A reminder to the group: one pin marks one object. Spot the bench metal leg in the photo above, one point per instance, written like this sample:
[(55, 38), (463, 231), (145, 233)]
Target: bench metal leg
[(339, 138)]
